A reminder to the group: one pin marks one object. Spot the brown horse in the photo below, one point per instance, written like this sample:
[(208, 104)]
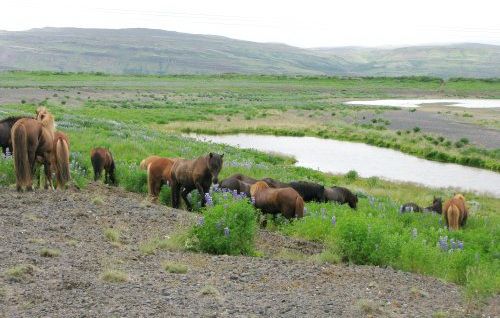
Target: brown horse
[(273, 183), (159, 173), (5, 132), (194, 174), (60, 159), (243, 178), (145, 163), (236, 184), (286, 201), (102, 159), (32, 138), (455, 212), (341, 195)]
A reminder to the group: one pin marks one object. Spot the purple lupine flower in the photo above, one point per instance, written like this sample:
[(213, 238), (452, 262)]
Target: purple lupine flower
[(226, 231), (334, 220), (443, 243), (215, 187), (453, 244), (252, 199), (460, 245), (414, 232), (305, 209), (208, 199)]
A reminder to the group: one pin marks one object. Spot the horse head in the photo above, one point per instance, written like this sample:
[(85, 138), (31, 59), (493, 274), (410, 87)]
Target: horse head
[(214, 165), (46, 118)]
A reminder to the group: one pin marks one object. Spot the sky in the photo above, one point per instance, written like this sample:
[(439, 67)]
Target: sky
[(311, 23)]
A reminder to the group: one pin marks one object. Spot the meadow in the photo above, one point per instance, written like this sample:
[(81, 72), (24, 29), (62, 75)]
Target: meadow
[(137, 124)]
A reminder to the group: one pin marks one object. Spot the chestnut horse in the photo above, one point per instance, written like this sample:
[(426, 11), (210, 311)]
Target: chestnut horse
[(455, 212), (286, 201), (5, 132), (60, 159), (194, 174), (32, 138), (159, 173), (145, 163), (102, 159)]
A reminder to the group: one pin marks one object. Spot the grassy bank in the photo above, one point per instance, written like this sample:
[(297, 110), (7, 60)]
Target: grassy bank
[(374, 234)]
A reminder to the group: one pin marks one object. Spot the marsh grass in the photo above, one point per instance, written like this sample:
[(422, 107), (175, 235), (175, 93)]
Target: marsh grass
[(50, 252), (114, 276), (174, 268)]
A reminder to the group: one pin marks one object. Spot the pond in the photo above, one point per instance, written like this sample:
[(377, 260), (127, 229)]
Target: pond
[(335, 156), (413, 103)]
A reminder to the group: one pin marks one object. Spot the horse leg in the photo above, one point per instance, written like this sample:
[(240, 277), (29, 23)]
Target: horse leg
[(201, 191), (185, 193), (176, 187), (48, 175)]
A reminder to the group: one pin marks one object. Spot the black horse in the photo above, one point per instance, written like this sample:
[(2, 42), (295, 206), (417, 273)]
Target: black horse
[(5, 128), (309, 191), (437, 206)]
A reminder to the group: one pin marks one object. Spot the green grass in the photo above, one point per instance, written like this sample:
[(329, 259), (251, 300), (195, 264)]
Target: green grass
[(20, 272), (113, 236), (374, 234), (114, 276), (174, 268), (49, 252)]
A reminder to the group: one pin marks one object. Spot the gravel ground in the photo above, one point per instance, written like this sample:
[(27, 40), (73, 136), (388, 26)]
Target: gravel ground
[(285, 282)]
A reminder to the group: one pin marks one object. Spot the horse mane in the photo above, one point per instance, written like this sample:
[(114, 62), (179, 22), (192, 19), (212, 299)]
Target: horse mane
[(46, 118), (256, 187), (459, 196), (13, 119)]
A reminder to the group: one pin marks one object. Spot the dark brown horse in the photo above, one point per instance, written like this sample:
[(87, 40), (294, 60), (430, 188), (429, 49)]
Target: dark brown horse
[(195, 174), (102, 159), (341, 195), (236, 184), (32, 139), (309, 191), (60, 159), (437, 206), (286, 201), (455, 212), (273, 183), (5, 132), (243, 178), (159, 173)]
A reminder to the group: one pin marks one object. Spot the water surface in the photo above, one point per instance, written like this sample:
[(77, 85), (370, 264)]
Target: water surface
[(335, 156), (413, 103)]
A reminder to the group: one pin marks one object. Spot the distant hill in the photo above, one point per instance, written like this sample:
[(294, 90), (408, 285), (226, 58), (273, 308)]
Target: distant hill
[(147, 51)]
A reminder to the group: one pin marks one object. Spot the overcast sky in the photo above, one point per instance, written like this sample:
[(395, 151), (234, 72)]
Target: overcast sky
[(310, 23)]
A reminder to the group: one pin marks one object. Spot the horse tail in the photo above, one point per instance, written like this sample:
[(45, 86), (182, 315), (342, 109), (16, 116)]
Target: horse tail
[(97, 164), (62, 162), (144, 165), (453, 213), (21, 161), (299, 207), (150, 179)]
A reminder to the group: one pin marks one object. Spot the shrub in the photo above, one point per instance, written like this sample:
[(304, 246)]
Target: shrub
[(49, 252), (226, 228), (175, 268), (352, 175), (416, 129), (114, 276)]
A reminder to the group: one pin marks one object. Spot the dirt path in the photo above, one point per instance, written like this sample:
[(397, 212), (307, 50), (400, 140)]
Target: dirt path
[(71, 284)]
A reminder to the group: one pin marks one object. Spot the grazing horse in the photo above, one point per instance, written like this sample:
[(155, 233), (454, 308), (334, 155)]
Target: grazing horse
[(286, 201), (159, 173), (60, 159), (102, 159), (273, 183), (437, 206), (5, 132), (341, 195), (243, 178), (455, 212), (410, 207), (32, 138), (146, 162), (236, 184), (309, 191), (194, 174)]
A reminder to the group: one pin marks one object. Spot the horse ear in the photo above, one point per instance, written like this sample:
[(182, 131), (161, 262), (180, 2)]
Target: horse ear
[(211, 155)]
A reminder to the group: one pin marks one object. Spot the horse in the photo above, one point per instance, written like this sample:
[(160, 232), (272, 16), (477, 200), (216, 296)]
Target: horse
[(243, 178), (341, 195), (147, 161), (102, 159), (60, 159), (159, 173), (455, 212), (32, 138), (273, 183), (309, 191), (286, 201), (240, 186), (5, 132), (437, 206), (195, 174), (410, 207)]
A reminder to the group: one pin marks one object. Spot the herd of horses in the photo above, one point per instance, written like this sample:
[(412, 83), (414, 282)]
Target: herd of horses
[(34, 141)]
